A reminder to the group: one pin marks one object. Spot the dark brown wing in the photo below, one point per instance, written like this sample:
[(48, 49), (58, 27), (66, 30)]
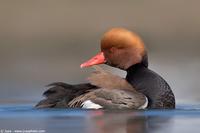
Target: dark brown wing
[(111, 99), (60, 94), (114, 92)]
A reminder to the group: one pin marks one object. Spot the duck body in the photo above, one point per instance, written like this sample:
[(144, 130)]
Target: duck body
[(144, 80)]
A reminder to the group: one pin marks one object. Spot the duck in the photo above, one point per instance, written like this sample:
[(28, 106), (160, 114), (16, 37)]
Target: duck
[(144, 88)]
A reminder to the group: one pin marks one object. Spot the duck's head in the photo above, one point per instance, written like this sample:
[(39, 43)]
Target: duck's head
[(120, 48)]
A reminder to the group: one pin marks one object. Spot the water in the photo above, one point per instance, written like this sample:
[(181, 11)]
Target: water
[(24, 118)]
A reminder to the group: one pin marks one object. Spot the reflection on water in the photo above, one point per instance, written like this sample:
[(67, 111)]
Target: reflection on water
[(128, 122), (183, 119)]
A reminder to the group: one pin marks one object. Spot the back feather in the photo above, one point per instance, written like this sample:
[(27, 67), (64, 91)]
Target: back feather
[(104, 79)]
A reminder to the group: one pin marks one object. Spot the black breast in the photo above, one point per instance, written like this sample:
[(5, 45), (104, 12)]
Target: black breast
[(152, 85)]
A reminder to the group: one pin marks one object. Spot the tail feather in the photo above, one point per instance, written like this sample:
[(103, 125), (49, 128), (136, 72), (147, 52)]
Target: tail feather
[(57, 90), (60, 94)]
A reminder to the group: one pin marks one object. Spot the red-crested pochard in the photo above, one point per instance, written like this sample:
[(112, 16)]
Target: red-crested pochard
[(123, 49)]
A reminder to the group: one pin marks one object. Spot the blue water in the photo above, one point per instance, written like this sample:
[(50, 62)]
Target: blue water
[(24, 118)]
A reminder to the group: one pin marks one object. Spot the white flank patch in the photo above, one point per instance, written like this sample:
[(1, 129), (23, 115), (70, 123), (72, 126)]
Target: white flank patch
[(88, 104), (145, 104)]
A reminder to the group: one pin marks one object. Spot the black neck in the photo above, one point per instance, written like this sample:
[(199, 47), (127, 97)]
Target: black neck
[(143, 63), (134, 67)]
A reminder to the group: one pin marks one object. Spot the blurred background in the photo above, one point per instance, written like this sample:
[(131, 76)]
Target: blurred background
[(46, 41)]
